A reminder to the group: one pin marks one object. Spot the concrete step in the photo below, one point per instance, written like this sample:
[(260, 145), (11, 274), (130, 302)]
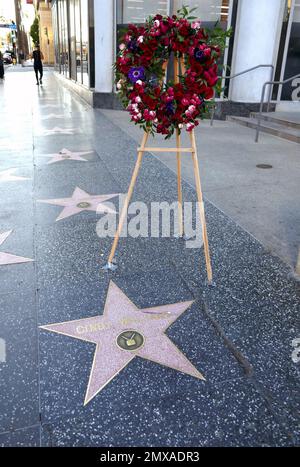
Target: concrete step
[(276, 129), (287, 119)]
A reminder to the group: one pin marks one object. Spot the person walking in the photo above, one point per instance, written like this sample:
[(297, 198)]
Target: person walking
[(38, 56), (1, 66)]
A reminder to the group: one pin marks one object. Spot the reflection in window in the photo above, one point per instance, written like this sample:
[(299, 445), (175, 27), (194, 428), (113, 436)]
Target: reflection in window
[(71, 31), (137, 11), (78, 40), (72, 39), (207, 10), (292, 66), (64, 26), (85, 41), (56, 37)]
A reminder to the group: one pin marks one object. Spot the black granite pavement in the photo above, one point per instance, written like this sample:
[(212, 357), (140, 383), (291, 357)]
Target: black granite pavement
[(238, 334)]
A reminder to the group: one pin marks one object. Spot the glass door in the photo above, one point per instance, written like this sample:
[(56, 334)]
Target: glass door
[(288, 61), (292, 62)]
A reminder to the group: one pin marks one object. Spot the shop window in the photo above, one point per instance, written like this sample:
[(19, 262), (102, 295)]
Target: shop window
[(85, 42)]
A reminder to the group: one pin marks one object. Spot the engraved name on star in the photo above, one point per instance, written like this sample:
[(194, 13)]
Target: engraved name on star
[(7, 258), (65, 154), (7, 176), (125, 332), (81, 201)]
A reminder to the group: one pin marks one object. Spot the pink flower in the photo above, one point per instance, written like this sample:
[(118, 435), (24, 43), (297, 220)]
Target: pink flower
[(138, 100), (140, 40), (156, 23), (185, 101), (190, 126), (196, 25), (192, 108), (122, 46), (149, 115)]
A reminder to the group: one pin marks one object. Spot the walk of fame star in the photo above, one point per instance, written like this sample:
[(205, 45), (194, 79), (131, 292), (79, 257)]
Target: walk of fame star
[(59, 131), (7, 258), (81, 201), (124, 332), (66, 155), (49, 106), (7, 176), (50, 116)]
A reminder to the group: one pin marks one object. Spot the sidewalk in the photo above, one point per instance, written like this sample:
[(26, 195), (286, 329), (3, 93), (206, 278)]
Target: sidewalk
[(238, 334)]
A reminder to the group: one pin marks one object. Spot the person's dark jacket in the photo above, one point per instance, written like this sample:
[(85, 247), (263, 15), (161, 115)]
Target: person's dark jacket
[(1, 66)]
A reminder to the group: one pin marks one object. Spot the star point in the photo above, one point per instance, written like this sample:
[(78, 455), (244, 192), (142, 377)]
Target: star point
[(7, 258)]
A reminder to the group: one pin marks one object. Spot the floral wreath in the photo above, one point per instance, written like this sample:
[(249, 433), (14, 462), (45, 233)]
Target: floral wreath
[(160, 107)]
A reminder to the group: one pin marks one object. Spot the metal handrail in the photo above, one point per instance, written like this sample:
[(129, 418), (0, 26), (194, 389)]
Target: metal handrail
[(271, 83), (239, 74), (247, 71)]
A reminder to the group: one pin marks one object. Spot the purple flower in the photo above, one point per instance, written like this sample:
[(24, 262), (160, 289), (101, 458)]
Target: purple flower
[(170, 107), (136, 74), (199, 55), (133, 45)]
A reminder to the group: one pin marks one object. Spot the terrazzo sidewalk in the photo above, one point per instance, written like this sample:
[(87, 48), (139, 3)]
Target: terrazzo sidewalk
[(237, 334)]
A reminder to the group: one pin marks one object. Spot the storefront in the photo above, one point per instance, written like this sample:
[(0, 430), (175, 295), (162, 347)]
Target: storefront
[(264, 32)]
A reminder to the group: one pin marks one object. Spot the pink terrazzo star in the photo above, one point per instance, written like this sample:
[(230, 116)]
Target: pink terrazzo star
[(66, 155), (124, 332), (52, 116), (7, 258), (59, 131), (81, 201)]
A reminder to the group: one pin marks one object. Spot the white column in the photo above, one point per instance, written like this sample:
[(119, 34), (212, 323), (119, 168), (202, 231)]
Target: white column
[(104, 44), (257, 38)]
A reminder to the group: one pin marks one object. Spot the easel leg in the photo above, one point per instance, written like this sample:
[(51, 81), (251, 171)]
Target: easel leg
[(201, 207), (179, 187), (127, 200)]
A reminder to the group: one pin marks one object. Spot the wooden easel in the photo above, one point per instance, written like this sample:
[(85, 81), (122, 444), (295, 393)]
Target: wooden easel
[(178, 150)]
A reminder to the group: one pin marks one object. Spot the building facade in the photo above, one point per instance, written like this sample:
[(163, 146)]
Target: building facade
[(265, 32), (44, 12)]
